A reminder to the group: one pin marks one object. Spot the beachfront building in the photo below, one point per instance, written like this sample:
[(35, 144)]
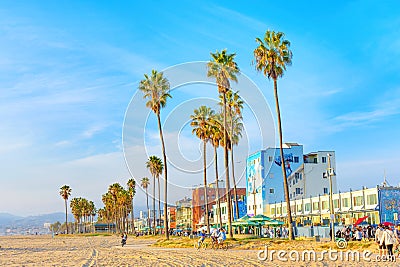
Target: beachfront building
[(311, 178), (171, 217), (306, 176), (199, 204), (224, 210), (184, 214), (380, 204)]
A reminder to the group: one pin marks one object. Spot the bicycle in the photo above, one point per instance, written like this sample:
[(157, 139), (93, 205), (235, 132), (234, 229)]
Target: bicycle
[(216, 245), (198, 246)]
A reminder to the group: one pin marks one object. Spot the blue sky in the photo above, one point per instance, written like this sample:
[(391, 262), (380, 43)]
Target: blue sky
[(68, 70)]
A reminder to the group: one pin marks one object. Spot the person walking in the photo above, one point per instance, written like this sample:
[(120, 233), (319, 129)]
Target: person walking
[(378, 238), (389, 239)]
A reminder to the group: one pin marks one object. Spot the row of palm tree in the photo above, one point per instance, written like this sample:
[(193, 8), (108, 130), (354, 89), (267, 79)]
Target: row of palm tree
[(84, 212), (272, 55), (118, 204)]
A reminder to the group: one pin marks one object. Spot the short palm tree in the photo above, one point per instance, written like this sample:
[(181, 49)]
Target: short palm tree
[(65, 192), (155, 166), (272, 56), (201, 128), (156, 89), (132, 192), (145, 184), (224, 68)]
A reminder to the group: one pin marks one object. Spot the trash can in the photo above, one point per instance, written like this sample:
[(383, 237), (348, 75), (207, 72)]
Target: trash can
[(317, 238), (191, 236)]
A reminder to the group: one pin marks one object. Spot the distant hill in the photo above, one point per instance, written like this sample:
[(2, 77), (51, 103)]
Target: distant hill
[(9, 220), (6, 218)]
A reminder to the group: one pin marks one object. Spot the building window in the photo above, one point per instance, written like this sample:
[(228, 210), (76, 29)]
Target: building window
[(201, 197), (272, 191), (297, 191), (325, 190), (324, 175), (301, 190), (357, 201), (345, 202), (307, 207), (336, 203), (300, 176), (315, 160), (270, 158), (323, 159), (249, 207), (290, 196), (371, 200), (315, 206), (296, 159), (324, 205), (299, 208), (272, 210)]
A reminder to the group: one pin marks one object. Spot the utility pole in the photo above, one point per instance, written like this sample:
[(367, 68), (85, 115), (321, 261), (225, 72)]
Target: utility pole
[(331, 173)]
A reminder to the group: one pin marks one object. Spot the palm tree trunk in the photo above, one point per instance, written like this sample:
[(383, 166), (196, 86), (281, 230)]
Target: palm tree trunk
[(66, 215), (166, 229), (217, 185), (148, 210), (233, 173), (206, 218), (154, 205), (285, 184), (132, 217), (159, 202), (226, 161)]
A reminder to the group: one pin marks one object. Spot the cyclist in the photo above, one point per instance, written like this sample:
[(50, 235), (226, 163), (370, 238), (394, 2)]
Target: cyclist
[(202, 237), (214, 235), (221, 236)]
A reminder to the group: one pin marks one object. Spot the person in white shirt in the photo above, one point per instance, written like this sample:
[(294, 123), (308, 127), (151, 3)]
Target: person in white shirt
[(378, 237), (388, 238)]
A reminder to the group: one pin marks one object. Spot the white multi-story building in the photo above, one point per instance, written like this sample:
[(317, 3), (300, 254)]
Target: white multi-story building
[(305, 173), (311, 179), (348, 206)]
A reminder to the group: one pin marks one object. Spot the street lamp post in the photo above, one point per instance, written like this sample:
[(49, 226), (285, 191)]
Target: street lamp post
[(331, 173), (254, 195)]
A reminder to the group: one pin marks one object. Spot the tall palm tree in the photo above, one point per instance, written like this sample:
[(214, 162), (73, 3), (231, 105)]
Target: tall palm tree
[(223, 68), (201, 128), (272, 56), (216, 137), (145, 184), (155, 166), (65, 192), (234, 105), (132, 191), (156, 88)]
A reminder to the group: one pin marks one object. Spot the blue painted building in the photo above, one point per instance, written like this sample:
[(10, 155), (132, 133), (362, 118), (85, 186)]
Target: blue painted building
[(264, 179), (389, 204)]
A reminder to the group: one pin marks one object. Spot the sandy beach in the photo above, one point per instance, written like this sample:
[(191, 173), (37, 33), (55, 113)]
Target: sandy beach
[(106, 251)]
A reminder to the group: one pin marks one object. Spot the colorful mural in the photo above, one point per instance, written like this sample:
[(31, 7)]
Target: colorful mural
[(288, 160), (389, 204)]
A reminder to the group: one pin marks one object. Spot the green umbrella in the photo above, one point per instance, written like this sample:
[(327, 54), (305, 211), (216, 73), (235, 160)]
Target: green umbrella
[(273, 222), (244, 223), (260, 218)]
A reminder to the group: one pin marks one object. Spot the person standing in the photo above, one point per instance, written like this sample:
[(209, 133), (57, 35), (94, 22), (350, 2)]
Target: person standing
[(389, 239)]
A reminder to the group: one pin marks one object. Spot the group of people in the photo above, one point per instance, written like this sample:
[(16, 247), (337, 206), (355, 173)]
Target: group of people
[(357, 233), (388, 240), (217, 235)]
